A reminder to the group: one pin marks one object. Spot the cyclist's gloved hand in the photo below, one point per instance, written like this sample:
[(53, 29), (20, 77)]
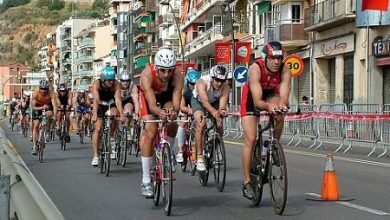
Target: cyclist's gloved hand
[(122, 118), (163, 114), (173, 114), (215, 114)]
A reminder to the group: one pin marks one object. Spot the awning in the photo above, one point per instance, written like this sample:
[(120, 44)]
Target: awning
[(383, 61), (263, 7)]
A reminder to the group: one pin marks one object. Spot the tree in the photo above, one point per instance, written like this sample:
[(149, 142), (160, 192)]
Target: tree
[(56, 5)]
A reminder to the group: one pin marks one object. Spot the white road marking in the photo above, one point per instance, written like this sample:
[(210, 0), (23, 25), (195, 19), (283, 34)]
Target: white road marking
[(352, 205), (361, 161)]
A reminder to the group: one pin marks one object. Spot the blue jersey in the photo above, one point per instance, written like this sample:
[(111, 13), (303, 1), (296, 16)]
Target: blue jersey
[(187, 93)]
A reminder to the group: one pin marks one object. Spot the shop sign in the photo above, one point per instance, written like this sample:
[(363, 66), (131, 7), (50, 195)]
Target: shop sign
[(380, 47), (334, 46)]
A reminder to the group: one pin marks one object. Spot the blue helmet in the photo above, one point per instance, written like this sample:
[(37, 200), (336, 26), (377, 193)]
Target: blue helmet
[(192, 76), (108, 73)]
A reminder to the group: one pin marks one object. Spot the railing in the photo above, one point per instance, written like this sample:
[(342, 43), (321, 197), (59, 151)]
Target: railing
[(65, 37), (290, 30), (198, 10), (85, 58), (86, 42), (328, 10), (209, 34)]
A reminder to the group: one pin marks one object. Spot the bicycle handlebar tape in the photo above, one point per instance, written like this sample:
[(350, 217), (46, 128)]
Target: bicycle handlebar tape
[(330, 189)]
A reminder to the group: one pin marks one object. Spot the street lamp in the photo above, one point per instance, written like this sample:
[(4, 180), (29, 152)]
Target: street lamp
[(178, 30)]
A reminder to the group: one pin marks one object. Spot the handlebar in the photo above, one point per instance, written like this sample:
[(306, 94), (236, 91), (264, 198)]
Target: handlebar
[(104, 103)]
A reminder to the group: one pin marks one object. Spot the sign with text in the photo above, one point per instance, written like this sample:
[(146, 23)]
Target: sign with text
[(295, 64), (381, 47), (222, 52), (334, 46)]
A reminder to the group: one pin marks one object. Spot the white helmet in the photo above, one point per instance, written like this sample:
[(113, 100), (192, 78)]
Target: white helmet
[(90, 95), (13, 100), (165, 58), (125, 76), (218, 71)]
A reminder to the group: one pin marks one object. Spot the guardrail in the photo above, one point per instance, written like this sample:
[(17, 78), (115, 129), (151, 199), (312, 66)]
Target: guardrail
[(28, 200)]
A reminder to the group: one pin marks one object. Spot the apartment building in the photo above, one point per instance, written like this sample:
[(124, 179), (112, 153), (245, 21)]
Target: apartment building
[(144, 35), (67, 45), (168, 33), (93, 43), (119, 14), (47, 57)]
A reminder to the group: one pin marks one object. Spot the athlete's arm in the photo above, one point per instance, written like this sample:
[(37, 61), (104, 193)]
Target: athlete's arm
[(96, 98), (134, 96), (118, 98), (255, 87), (201, 89), (34, 103), (54, 102), (70, 100), (146, 84), (223, 101), (285, 86), (177, 91)]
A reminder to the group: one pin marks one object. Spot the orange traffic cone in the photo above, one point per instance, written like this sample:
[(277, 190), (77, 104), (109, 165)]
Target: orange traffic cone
[(330, 188)]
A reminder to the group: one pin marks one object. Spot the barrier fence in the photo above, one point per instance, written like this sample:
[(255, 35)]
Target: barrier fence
[(329, 123)]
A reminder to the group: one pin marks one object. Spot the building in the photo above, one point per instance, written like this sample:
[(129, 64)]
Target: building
[(67, 45), (47, 57), (11, 77), (119, 14), (93, 42), (144, 35), (168, 32)]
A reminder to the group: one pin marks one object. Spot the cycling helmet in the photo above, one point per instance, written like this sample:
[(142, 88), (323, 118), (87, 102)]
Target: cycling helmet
[(192, 76), (62, 87), (13, 100), (273, 48), (108, 73), (90, 95), (218, 71), (80, 90), (125, 76), (44, 84), (26, 94), (165, 58)]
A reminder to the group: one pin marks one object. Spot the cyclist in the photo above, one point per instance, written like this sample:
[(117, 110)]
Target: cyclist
[(24, 106), (42, 98), (104, 89), (268, 88), (64, 99), (211, 94), (12, 108), (160, 83), (129, 94), (185, 109), (83, 106)]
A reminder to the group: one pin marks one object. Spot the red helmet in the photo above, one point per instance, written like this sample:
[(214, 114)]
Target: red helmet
[(274, 48)]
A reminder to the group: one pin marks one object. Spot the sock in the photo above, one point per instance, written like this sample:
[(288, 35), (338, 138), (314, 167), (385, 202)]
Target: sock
[(146, 163), (171, 142), (180, 136)]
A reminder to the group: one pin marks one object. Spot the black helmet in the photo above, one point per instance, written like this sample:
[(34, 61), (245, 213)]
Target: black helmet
[(273, 48)]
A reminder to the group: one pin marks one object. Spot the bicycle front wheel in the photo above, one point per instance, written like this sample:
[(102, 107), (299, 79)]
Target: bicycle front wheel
[(156, 180), (167, 179), (256, 174), (41, 143), (107, 155), (278, 178), (219, 163)]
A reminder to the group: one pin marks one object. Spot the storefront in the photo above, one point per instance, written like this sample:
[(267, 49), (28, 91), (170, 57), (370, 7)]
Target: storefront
[(381, 50), (333, 80)]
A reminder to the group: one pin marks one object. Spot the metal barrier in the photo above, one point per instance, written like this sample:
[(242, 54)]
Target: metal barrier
[(363, 130), (330, 130), (232, 123), (307, 127), (385, 132), (290, 127)]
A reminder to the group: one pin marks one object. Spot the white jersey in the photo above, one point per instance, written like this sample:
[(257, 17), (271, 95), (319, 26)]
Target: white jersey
[(212, 95)]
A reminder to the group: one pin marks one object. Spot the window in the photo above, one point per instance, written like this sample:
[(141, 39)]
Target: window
[(296, 13)]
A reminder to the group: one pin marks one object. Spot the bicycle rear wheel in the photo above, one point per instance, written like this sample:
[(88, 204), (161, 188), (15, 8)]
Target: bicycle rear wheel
[(118, 146), (102, 154), (192, 153), (185, 152), (41, 144), (219, 163), (107, 155), (278, 178), (81, 133), (167, 179), (256, 174)]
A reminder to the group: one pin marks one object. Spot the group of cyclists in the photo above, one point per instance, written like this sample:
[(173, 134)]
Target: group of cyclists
[(165, 93)]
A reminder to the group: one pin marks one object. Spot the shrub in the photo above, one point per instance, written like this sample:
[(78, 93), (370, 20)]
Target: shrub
[(56, 5)]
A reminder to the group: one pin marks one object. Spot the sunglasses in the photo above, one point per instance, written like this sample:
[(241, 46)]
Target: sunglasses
[(192, 84), (109, 80), (62, 90), (166, 70), (125, 81), (43, 89), (219, 80)]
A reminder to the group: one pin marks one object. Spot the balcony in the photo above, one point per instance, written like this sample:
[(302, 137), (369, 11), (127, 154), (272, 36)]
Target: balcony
[(203, 45), (65, 49), (166, 11), (114, 30), (328, 14), (140, 12), (87, 43), (165, 21), (173, 32), (84, 59), (65, 37), (84, 72), (208, 7), (143, 29), (290, 33)]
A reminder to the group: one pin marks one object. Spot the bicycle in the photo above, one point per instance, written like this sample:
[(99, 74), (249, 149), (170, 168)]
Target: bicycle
[(123, 143), (215, 155), (105, 149), (189, 150), (162, 171), (25, 124), (41, 143), (269, 168), (14, 117), (64, 129)]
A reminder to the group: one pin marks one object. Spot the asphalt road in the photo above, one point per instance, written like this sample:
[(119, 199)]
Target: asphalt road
[(80, 192)]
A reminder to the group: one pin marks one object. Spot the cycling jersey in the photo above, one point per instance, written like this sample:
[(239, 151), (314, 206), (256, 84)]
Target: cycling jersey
[(63, 98), (162, 96), (105, 94), (187, 93), (270, 84), (126, 95), (41, 99), (212, 94)]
